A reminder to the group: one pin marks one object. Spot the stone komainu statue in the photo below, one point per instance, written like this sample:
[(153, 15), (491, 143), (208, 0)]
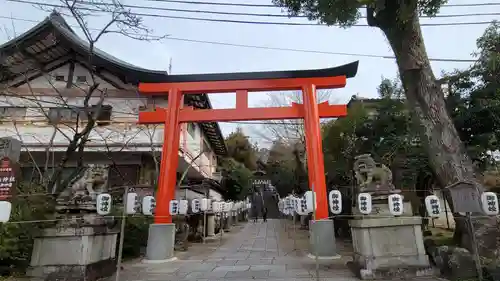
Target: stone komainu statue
[(84, 189), (372, 176)]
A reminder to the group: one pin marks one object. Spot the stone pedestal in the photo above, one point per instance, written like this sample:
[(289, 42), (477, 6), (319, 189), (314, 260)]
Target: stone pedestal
[(388, 247), (322, 240), (226, 223), (77, 254), (161, 242), (210, 225)]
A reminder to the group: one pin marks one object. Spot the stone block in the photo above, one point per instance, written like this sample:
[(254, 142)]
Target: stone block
[(384, 247), (89, 254), (454, 263), (232, 268)]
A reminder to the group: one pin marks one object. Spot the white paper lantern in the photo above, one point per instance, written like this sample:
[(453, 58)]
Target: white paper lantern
[(217, 207), (196, 205), (183, 207), (365, 203), (226, 207), (104, 202), (173, 207), (433, 206), (5, 211), (132, 201), (489, 202), (395, 202), (148, 205), (296, 204), (205, 204), (335, 201), (311, 201)]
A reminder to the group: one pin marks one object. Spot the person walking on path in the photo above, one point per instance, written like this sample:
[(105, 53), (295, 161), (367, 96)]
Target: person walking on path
[(264, 214)]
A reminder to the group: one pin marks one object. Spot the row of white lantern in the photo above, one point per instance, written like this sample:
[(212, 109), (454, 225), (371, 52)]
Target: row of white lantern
[(133, 203), (176, 207), (304, 205)]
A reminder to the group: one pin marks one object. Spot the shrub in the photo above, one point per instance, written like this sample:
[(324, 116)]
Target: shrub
[(30, 210), (136, 236)]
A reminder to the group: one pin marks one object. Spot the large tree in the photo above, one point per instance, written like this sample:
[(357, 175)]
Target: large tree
[(240, 149), (286, 168), (239, 164), (399, 21)]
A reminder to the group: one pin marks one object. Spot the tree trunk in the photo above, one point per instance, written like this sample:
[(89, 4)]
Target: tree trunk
[(447, 154)]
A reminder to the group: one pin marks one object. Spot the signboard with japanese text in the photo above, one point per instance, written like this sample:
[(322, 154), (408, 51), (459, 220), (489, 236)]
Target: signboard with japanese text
[(7, 178), (465, 197)]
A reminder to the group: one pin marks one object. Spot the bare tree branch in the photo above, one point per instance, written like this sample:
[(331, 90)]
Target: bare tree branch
[(78, 132)]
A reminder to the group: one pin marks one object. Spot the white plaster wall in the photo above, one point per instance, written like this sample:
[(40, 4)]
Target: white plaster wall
[(193, 141), (214, 195), (206, 162), (181, 194), (48, 81)]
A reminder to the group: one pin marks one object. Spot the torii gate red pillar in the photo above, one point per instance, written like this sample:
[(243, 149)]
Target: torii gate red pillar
[(169, 157), (241, 83)]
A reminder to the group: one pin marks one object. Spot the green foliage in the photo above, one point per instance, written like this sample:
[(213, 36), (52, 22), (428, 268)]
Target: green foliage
[(284, 168), (238, 166), (240, 149), (474, 99), (237, 178), (390, 89), (347, 12), (136, 235), (342, 140), (382, 127), (16, 239)]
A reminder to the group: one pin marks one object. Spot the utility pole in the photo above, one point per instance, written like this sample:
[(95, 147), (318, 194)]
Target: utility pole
[(170, 66)]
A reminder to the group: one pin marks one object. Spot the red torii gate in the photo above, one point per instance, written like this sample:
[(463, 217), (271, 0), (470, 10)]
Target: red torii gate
[(308, 81)]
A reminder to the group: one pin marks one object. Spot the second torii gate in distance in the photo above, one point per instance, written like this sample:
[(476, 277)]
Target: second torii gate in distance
[(175, 86)]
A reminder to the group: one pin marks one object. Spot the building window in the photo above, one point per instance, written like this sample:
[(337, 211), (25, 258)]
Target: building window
[(12, 112), (191, 128), (65, 114), (81, 79), (59, 78), (62, 114)]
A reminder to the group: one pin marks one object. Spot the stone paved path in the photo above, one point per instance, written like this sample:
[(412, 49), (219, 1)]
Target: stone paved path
[(262, 251)]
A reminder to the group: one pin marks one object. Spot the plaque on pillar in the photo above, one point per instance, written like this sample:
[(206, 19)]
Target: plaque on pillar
[(11, 148)]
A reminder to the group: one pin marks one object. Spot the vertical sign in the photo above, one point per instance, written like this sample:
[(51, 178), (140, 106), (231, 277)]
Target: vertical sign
[(7, 178)]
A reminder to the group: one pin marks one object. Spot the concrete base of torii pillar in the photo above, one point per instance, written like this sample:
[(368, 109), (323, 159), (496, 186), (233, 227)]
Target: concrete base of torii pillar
[(322, 240), (161, 241)]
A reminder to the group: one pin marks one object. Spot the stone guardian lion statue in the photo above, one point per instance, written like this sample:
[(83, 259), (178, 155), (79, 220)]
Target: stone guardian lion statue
[(372, 176), (84, 189)]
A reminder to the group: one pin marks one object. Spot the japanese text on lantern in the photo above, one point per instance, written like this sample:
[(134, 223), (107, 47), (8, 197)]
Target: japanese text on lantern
[(7, 178)]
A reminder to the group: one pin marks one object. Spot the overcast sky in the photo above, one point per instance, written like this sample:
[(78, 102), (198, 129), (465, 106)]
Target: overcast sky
[(190, 57)]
